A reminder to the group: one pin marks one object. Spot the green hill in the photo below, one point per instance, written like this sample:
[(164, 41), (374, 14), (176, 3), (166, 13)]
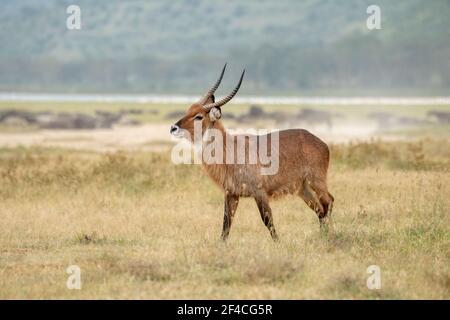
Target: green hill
[(312, 46)]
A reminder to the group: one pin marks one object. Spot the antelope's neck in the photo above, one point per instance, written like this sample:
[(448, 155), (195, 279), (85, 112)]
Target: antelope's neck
[(217, 171)]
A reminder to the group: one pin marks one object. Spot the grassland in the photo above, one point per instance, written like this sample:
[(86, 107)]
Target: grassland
[(139, 226)]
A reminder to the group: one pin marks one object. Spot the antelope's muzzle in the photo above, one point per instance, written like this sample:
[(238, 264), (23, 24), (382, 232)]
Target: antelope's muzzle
[(174, 129)]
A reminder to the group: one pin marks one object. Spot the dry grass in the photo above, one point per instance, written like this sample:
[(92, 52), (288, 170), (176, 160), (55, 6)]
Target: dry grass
[(141, 227)]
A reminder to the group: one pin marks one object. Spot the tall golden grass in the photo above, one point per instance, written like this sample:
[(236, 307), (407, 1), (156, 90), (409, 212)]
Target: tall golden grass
[(140, 227)]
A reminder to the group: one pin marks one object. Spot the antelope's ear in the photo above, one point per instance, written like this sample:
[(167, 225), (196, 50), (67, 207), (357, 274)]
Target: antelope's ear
[(215, 114), (211, 99)]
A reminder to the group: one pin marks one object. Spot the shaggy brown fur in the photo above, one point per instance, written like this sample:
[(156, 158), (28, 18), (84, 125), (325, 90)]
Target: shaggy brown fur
[(303, 165)]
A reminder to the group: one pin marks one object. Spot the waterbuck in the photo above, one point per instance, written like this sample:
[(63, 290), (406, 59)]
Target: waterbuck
[(302, 163)]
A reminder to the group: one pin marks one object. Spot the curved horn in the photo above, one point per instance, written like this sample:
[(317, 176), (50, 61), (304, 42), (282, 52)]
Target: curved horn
[(227, 98), (214, 87)]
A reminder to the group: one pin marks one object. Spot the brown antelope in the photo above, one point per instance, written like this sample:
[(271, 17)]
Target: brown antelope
[(302, 164)]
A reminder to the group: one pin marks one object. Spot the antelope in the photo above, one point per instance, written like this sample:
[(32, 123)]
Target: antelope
[(302, 158)]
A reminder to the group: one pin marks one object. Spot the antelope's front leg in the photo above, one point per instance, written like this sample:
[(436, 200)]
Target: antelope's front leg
[(231, 203)]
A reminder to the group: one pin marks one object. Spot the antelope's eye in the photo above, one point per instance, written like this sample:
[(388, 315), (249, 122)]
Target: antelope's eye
[(198, 117)]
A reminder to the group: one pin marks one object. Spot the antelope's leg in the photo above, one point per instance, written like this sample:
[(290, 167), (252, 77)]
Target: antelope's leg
[(327, 201), (319, 200), (266, 214), (231, 203), (311, 198)]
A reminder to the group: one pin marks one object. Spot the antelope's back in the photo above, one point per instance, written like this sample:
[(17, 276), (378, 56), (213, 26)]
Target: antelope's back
[(301, 155), (301, 148)]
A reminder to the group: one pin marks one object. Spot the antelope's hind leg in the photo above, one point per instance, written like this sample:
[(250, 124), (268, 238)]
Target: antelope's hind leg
[(266, 214), (326, 222), (320, 201), (231, 203)]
